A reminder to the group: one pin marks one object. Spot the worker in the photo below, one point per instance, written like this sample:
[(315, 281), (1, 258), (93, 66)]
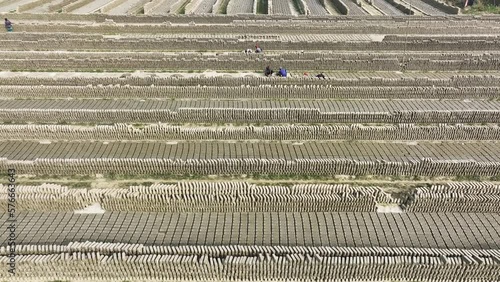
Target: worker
[(282, 72), (258, 49), (268, 71), (8, 25), (321, 75)]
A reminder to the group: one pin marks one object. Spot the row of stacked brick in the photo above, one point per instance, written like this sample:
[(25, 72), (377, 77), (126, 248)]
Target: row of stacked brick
[(292, 55), (28, 36), (251, 92), (243, 197), (426, 167), (240, 197), (122, 131), (455, 197), (222, 42), (51, 197), (396, 22), (443, 38), (275, 24), (29, 62), (335, 80), (245, 115), (228, 55), (202, 197), (124, 261), (239, 56)]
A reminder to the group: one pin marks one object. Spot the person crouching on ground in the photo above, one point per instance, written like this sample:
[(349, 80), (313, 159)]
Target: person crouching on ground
[(268, 71), (282, 72)]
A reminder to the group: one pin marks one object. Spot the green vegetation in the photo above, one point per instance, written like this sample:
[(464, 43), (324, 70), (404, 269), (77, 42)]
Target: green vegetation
[(182, 9), (223, 6), (396, 185), (147, 179), (495, 178), (468, 178), (482, 9), (77, 185), (298, 7), (479, 7), (262, 7)]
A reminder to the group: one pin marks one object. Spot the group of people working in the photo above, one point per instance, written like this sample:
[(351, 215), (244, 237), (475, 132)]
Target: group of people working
[(268, 71), (257, 50), (281, 72)]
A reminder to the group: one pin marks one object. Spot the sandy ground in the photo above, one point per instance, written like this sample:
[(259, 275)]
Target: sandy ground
[(44, 8), (394, 208), (90, 8), (92, 209), (370, 9), (7, 6), (124, 8)]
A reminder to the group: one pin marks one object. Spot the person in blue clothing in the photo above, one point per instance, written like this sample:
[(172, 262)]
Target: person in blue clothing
[(282, 72)]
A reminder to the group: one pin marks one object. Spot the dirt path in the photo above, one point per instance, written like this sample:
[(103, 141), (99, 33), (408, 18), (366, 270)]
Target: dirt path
[(100, 182)]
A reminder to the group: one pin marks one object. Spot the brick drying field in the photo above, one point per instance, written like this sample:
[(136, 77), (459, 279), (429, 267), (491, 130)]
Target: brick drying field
[(151, 148), (232, 7)]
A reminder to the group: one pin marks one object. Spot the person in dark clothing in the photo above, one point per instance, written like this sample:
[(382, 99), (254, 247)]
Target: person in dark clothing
[(8, 24), (321, 75), (268, 71)]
